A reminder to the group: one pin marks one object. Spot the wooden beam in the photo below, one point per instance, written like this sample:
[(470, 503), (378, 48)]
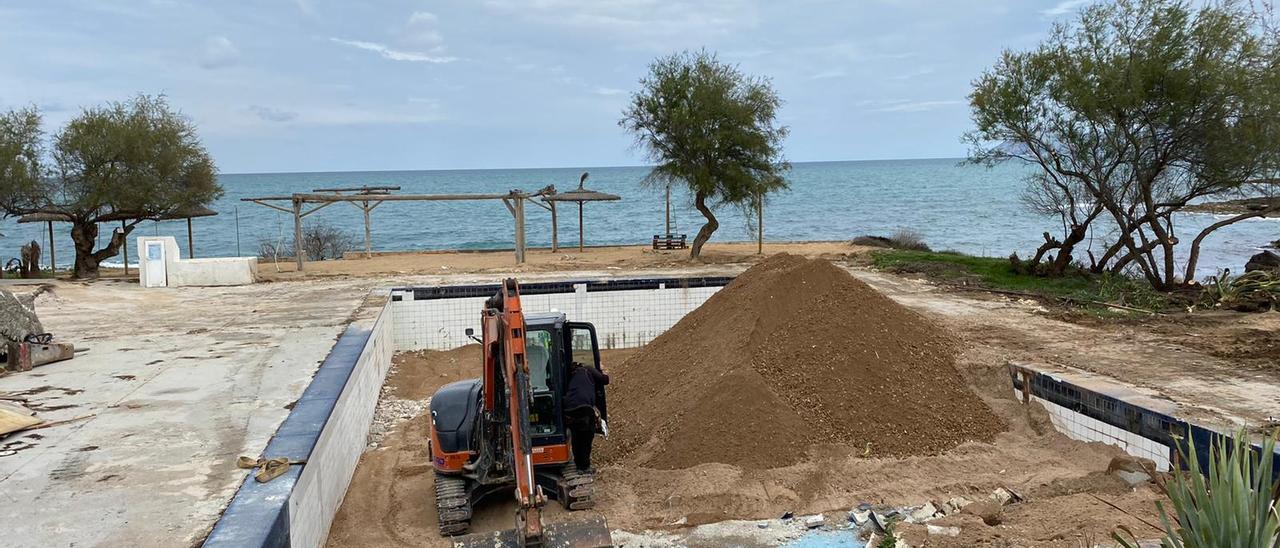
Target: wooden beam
[(124, 236), (318, 208), (191, 241), (555, 229), (581, 229), (368, 237), (53, 256)]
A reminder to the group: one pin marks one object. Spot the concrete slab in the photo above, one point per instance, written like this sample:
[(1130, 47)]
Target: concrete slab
[(179, 382)]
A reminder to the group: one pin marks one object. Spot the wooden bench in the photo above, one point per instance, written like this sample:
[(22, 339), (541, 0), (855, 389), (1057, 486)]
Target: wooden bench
[(670, 241)]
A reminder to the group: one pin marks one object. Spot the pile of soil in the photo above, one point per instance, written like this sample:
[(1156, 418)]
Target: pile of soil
[(793, 353)]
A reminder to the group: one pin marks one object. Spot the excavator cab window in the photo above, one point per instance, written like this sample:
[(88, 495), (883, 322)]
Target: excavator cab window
[(539, 349)]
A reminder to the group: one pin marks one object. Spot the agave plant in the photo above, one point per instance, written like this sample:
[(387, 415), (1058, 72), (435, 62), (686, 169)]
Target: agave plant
[(1233, 506)]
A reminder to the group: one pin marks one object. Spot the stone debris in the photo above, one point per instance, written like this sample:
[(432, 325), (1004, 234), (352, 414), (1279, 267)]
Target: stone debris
[(1005, 496), (859, 517), (814, 521), (954, 504), (389, 413), (1133, 470), (923, 513), (938, 530)]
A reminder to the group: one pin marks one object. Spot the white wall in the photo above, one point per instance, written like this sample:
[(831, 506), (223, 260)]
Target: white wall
[(623, 319), (1079, 426), (327, 474), (197, 272)]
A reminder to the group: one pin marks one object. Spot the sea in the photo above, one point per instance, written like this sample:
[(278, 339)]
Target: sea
[(950, 204)]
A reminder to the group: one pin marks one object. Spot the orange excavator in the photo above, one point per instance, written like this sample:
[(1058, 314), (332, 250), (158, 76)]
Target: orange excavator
[(505, 431)]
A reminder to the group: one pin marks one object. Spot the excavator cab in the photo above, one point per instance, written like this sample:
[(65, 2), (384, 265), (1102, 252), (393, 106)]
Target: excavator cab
[(504, 432)]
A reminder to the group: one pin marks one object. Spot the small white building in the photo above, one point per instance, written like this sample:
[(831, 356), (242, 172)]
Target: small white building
[(160, 264)]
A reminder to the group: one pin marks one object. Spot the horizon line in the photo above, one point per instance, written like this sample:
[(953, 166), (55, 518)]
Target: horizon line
[(561, 167)]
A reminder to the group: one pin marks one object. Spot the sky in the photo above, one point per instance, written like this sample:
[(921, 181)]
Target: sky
[(336, 85)]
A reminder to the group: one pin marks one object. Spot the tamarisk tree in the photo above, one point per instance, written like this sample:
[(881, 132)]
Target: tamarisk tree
[(1130, 113), (125, 161), (709, 126)]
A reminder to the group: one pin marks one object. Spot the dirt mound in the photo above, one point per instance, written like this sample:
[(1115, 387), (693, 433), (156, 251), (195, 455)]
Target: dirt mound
[(794, 353)]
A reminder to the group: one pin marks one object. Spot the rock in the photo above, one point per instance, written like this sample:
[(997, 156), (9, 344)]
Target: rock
[(1266, 261), (815, 521), (17, 320), (955, 504), (859, 517), (989, 511), (763, 525), (1133, 470), (923, 513), (1005, 496), (938, 530), (683, 520)]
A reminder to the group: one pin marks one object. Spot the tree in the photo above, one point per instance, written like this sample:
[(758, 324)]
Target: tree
[(125, 161), (707, 125), (1130, 113)]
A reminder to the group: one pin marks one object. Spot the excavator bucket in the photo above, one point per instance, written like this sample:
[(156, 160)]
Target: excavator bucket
[(591, 532)]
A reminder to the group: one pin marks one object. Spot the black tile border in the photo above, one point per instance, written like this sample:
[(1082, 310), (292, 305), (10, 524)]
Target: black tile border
[(258, 515), (1153, 425), (426, 293)]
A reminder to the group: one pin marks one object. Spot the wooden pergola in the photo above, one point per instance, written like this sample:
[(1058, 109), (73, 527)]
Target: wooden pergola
[(368, 198), (50, 218), (580, 195)]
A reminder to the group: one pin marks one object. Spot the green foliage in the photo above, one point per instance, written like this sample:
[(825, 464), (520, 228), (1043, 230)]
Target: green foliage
[(889, 540), (1131, 112), (707, 125), (131, 160), (1257, 290), (1078, 286), (1233, 505)]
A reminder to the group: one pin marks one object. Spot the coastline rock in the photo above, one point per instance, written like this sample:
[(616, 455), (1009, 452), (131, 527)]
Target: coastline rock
[(1265, 261)]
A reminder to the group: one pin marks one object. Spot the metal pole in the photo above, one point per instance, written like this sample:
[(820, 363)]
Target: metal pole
[(125, 238), (191, 242), (237, 210), (555, 227), (53, 256), (668, 209), (581, 228), (368, 238), (298, 250)]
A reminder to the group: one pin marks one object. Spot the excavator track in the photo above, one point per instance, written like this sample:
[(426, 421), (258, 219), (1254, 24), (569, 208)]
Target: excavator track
[(577, 488), (453, 504)]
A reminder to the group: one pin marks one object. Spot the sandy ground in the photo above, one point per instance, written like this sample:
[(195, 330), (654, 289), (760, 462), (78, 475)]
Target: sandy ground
[(609, 258), (174, 427), (390, 501)]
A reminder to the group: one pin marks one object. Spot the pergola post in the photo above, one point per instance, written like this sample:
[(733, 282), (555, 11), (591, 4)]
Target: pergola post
[(519, 230), (555, 229), (53, 257), (368, 237), (668, 225), (191, 242), (298, 250), (582, 238)]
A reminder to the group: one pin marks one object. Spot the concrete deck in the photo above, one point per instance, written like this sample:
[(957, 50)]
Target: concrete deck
[(180, 382)]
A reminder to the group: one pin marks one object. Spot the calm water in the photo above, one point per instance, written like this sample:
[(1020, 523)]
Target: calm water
[(966, 208)]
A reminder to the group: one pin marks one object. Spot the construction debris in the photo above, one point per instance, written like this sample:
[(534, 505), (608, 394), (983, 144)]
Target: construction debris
[(14, 418)]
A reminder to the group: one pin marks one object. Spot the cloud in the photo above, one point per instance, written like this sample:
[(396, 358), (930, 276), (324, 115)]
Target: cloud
[(421, 30), (305, 7), (601, 90), (649, 23), (273, 114), (827, 74), (1064, 7), (218, 52), (395, 54), (916, 106)]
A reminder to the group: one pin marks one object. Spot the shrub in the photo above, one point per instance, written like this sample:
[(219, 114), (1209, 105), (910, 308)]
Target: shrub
[(902, 239), (1233, 505), (320, 240)]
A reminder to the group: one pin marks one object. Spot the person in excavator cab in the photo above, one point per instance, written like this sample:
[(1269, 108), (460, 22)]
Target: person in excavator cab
[(580, 415)]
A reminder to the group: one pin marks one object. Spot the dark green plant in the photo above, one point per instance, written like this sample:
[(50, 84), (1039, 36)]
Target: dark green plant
[(1233, 505), (889, 540), (124, 161), (1256, 290), (707, 125)]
